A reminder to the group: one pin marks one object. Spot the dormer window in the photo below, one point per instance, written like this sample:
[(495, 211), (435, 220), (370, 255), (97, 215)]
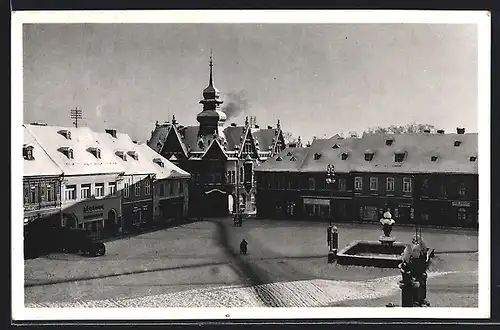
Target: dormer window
[(335, 146), (159, 162), (457, 143), (317, 156), (344, 156), (293, 159), (28, 152), (122, 155), (369, 155), (399, 156), (289, 154), (389, 142), (133, 154), (67, 151), (95, 151), (279, 159), (472, 158), (66, 133), (434, 158), (173, 158)]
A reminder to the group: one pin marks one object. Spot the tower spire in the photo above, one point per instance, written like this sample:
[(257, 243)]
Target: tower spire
[(211, 79)]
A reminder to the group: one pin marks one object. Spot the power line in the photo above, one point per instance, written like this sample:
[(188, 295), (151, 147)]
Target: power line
[(76, 114)]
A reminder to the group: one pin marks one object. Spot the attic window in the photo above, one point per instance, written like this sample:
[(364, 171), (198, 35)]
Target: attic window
[(159, 162), (28, 152), (389, 142), (67, 151), (335, 146), (122, 155), (289, 154), (95, 151), (369, 156), (472, 158), (344, 156), (457, 143), (133, 154), (66, 133), (434, 158), (399, 156), (279, 159), (293, 159), (317, 156)]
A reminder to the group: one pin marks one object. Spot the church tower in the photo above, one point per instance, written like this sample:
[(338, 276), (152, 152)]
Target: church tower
[(211, 117)]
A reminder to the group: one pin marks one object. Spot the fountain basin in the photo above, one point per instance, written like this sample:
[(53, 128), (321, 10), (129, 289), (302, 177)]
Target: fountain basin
[(372, 253)]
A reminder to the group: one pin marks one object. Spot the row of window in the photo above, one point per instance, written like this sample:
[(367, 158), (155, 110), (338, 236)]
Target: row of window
[(171, 188), (40, 192), (70, 191), (373, 185), (137, 189)]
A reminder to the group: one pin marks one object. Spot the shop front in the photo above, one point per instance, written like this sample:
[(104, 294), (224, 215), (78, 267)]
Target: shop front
[(372, 209), (316, 208), (171, 209), (137, 214), (97, 216)]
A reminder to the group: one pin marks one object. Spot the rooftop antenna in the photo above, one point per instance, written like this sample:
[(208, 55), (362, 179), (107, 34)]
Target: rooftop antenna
[(76, 114)]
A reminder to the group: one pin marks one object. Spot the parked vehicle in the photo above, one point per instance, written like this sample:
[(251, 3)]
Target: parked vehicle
[(42, 240)]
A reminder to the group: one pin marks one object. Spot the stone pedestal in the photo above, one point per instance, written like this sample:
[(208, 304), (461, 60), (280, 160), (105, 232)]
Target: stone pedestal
[(387, 241)]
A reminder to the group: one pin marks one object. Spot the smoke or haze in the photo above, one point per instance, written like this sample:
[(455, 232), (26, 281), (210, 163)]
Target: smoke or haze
[(235, 104)]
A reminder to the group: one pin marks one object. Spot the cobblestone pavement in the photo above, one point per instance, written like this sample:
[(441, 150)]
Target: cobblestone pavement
[(286, 266), (312, 293)]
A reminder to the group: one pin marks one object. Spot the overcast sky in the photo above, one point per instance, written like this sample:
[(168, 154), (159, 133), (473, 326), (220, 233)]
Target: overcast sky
[(317, 79)]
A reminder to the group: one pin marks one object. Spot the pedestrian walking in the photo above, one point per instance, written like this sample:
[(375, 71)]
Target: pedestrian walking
[(243, 246)]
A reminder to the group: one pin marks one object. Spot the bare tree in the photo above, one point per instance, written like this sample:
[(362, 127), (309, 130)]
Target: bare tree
[(289, 138), (410, 128)]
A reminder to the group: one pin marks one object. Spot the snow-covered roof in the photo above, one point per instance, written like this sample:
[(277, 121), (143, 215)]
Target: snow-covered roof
[(123, 145), (41, 164), (82, 144), (166, 171)]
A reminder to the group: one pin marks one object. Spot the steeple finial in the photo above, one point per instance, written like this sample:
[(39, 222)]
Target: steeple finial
[(278, 126), (211, 79), (246, 121), (174, 122)]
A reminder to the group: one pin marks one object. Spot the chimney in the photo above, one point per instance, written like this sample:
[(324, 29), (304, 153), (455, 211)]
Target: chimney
[(233, 124), (427, 130), (460, 130), (269, 127), (440, 131), (111, 132), (257, 126)]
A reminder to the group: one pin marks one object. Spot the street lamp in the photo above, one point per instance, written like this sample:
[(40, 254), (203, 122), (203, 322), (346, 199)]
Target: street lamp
[(332, 231)]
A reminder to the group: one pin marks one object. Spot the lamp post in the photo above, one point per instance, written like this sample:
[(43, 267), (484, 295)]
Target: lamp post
[(332, 231)]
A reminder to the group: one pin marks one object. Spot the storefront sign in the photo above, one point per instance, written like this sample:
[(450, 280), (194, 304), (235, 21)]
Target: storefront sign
[(316, 201), (93, 208), (404, 205), (460, 203)]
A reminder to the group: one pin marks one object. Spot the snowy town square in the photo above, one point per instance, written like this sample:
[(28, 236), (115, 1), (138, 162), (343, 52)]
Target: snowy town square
[(198, 265), (252, 166)]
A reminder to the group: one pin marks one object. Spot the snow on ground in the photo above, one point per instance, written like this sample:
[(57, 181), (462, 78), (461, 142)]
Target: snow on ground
[(311, 293)]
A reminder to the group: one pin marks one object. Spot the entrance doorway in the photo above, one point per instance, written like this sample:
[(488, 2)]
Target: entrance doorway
[(110, 223)]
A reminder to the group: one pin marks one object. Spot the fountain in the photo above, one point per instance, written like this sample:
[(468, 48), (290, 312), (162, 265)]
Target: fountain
[(385, 252)]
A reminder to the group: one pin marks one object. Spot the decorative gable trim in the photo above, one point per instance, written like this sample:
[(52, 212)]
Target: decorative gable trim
[(211, 146), (67, 151)]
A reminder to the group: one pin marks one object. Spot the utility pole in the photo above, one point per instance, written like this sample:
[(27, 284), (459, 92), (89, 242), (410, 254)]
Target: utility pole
[(76, 114)]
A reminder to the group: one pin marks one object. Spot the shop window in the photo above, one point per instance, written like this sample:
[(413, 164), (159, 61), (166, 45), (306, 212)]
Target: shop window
[(370, 213), (70, 192), (85, 191), (389, 184), (358, 183), (462, 215), (33, 194), (407, 185), (99, 190), (374, 183)]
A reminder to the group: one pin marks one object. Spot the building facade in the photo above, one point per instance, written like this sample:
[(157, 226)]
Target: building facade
[(91, 177), (220, 157), (420, 178), (137, 180), (170, 188), (41, 184)]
